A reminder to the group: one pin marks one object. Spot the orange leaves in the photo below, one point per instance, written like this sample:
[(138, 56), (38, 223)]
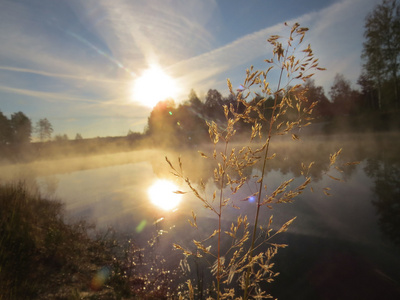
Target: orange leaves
[(334, 156), (286, 55), (335, 178), (194, 223), (202, 154), (285, 226), (278, 50)]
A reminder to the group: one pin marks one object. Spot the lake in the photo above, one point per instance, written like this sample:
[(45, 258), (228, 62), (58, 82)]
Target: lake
[(341, 246)]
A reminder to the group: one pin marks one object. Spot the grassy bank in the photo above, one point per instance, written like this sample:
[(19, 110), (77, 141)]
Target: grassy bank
[(44, 257)]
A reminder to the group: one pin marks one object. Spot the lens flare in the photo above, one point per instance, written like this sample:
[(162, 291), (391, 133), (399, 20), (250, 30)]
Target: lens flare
[(100, 279), (162, 194), (141, 226)]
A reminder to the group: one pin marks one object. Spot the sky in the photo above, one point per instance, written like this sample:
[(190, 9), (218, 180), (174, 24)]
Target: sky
[(75, 62)]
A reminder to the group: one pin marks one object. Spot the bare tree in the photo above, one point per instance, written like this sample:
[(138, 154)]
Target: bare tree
[(44, 129)]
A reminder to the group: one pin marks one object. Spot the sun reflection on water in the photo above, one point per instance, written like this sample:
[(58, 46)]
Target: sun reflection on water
[(162, 194)]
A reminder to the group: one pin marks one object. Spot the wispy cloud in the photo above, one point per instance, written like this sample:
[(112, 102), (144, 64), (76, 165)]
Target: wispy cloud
[(153, 31), (207, 66), (332, 34), (57, 75), (51, 97)]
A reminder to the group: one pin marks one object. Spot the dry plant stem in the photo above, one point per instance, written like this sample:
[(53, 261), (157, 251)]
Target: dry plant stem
[(253, 239), (219, 224), (254, 267)]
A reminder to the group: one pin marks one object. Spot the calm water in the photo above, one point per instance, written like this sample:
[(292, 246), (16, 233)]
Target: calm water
[(117, 196), (344, 246)]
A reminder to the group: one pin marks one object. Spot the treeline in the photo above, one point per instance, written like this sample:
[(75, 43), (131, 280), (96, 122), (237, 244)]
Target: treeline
[(172, 125), (347, 110), (16, 134), (372, 107)]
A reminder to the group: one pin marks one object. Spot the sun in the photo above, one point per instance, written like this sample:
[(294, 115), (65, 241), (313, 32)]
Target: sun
[(152, 86), (162, 194)]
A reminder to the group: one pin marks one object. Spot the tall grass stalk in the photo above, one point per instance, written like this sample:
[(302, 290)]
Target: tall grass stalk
[(284, 66), (269, 136), (279, 112)]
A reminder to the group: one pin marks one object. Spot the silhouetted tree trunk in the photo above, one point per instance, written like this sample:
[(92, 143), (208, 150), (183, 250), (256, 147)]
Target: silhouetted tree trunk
[(382, 47)]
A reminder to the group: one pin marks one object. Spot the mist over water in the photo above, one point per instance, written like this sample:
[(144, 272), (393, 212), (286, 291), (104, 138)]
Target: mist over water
[(111, 189), (360, 215)]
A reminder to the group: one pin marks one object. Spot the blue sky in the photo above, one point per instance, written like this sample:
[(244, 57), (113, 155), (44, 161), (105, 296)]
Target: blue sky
[(74, 62)]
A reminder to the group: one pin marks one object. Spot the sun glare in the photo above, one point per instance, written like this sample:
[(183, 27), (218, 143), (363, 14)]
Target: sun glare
[(152, 86), (161, 194)]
